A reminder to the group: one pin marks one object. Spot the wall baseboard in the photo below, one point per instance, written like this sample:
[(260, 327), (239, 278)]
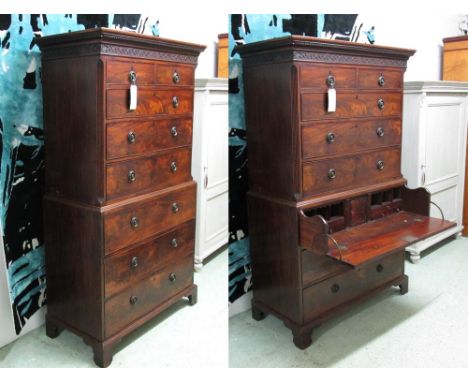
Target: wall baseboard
[(242, 304)]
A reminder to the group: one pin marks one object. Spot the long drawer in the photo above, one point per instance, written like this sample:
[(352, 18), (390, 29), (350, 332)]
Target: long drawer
[(351, 104), (150, 173), (139, 299), (334, 291), (141, 220), (130, 137), (125, 268), (150, 101), (330, 138), (350, 171)]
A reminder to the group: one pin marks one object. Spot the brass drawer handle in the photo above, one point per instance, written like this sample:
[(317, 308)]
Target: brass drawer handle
[(175, 77), (175, 102), (134, 222), (331, 137), (172, 277), (131, 176), (380, 132), (381, 103), (380, 165), (175, 208), (131, 137), (174, 166), (381, 80), (174, 131), (331, 80), (332, 173), (335, 288), (379, 268), (134, 262), (133, 300), (174, 243), (132, 77)]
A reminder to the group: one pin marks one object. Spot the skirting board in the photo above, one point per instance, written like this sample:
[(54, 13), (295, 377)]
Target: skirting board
[(240, 305)]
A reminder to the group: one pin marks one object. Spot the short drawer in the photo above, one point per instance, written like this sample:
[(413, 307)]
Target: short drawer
[(174, 74), (150, 173), (354, 283), (127, 267), (149, 73), (131, 137), (351, 171), (142, 220), (120, 71), (324, 76), (351, 104), (150, 102), (326, 139), (380, 79), (143, 297)]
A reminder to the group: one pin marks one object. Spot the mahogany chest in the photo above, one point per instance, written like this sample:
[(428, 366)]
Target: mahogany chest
[(120, 199), (329, 213)]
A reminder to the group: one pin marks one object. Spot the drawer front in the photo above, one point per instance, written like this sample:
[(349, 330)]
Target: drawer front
[(150, 173), (149, 73), (174, 74), (139, 299), (141, 220), (128, 138), (127, 267), (380, 79), (118, 72), (350, 104), (324, 139), (352, 171), (318, 76), (331, 293), (150, 102)]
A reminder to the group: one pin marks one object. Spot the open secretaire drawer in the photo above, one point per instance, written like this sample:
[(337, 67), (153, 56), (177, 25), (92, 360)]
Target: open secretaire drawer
[(364, 228)]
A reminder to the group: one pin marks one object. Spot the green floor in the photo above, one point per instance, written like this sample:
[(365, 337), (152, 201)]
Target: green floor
[(428, 327), (183, 336)]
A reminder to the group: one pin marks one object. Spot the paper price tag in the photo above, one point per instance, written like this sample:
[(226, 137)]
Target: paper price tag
[(331, 100), (133, 97)]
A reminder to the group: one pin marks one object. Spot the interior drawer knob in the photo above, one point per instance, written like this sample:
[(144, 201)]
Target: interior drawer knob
[(131, 176), (380, 165), (331, 80), (380, 132), (134, 222), (175, 208), (133, 300), (379, 268), (335, 288), (176, 77), (381, 103), (331, 137), (172, 277), (381, 80), (175, 101), (173, 166), (332, 173), (174, 243), (134, 262), (131, 137), (174, 131)]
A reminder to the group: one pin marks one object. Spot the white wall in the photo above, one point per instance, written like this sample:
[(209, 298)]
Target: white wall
[(199, 29), (423, 32)]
